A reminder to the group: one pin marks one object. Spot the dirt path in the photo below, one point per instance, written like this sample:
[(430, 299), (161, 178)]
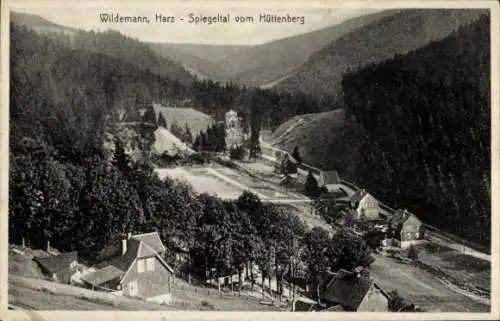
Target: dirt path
[(421, 287)]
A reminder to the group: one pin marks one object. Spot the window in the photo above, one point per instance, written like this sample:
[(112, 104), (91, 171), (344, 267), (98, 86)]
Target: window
[(132, 287), (151, 264), (140, 266)]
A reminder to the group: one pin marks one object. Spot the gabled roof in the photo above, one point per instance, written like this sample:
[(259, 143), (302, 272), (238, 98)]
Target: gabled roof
[(358, 196), (330, 177), (152, 239), (56, 263), (103, 275), (347, 289), (400, 217)]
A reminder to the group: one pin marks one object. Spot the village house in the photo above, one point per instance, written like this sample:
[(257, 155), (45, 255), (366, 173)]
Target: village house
[(137, 268), (234, 131), (367, 207), (353, 291), (59, 267), (406, 229)]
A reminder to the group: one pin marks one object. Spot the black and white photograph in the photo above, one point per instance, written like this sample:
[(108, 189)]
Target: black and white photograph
[(167, 156)]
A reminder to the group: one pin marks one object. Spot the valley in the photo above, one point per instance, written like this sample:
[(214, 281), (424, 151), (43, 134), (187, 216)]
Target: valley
[(340, 169)]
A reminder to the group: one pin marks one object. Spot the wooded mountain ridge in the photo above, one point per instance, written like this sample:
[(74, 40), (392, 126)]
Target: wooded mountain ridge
[(394, 34), (109, 42)]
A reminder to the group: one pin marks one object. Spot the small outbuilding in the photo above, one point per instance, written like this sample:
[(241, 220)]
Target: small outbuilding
[(59, 267)]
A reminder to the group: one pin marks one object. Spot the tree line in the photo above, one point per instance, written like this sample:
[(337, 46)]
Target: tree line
[(424, 131)]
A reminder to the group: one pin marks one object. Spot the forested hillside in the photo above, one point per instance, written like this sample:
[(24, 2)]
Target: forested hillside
[(109, 42), (424, 134), (65, 96), (262, 64), (398, 33)]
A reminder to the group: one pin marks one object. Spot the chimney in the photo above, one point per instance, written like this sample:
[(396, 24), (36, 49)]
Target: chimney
[(405, 212), (48, 246), (124, 246)]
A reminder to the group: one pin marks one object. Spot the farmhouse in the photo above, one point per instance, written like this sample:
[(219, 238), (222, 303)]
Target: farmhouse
[(353, 291), (59, 267), (406, 228), (138, 268), (366, 206)]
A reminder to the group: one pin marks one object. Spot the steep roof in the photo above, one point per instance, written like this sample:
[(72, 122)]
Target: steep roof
[(330, 177), (152, 240), (347, 289), (358, 196), (56, 263), (103, 275), (401, 216)]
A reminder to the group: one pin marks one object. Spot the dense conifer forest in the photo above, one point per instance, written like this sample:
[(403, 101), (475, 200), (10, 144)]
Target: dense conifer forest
[(424, 131)]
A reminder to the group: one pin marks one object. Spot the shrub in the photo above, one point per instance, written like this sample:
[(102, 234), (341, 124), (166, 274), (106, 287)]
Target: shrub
[(412, 253)]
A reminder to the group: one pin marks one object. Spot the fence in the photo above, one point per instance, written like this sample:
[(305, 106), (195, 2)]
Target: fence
[(452, 238)]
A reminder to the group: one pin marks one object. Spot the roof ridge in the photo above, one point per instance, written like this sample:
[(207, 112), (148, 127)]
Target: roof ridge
[(148, 233)]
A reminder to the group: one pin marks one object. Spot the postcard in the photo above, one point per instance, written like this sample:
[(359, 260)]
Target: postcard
[(249, 159)]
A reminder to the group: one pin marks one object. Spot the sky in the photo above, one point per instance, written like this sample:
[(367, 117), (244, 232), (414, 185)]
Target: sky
[(86, 16)]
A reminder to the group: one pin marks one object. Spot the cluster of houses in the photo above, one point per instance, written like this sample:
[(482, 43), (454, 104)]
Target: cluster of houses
[(404, 228), (136, 267)]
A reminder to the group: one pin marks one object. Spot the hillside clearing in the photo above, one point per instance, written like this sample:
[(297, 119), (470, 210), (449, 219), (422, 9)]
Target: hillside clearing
[(165, 141), (196, 120), (318, 136)]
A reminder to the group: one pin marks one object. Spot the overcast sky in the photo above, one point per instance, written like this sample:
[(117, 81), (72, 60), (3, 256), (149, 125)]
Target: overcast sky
[(86, 16)]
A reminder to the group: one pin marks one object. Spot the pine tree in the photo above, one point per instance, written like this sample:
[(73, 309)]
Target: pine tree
[(150, 116), (296, 155), (311, 187), (188, 135), (161, 121), (412, 253)]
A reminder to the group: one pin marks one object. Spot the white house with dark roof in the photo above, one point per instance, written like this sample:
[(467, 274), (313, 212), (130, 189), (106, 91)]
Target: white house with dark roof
[(137, 268), (407, 229)]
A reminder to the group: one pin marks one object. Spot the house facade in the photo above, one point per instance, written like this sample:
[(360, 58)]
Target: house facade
[(138, 268), (406, 229), (234, 131), (366, 206)]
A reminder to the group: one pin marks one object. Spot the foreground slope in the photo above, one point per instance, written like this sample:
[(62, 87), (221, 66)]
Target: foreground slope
[(382, 39)]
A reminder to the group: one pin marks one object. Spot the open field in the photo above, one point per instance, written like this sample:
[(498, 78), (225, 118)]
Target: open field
[(421, 287), (228, 183)]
